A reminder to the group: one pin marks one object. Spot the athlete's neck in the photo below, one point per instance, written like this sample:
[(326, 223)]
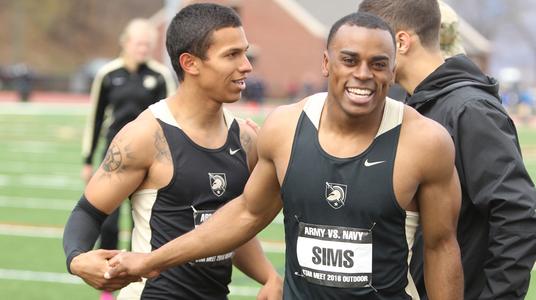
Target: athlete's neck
[(336, 119), (342, 135), (419, 66), (191, 107)]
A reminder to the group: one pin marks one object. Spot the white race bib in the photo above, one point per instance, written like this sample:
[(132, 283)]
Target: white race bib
[(201, 216), (335, 256)]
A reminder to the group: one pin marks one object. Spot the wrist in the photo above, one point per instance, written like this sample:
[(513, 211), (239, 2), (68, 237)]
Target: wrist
[(74, 263), (274, 277), (151, 262)]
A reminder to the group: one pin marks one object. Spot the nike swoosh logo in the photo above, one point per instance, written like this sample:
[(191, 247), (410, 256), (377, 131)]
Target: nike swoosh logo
[(370, 164), (233, 152)]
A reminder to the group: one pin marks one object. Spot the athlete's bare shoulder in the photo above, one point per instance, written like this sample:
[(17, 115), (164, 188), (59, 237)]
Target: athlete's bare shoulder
[(283, 117), (429, 142), (140, 138), (278, 130)]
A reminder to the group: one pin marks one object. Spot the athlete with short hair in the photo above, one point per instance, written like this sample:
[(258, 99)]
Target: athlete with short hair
[(179, 161), (497, 224), (354, 172)]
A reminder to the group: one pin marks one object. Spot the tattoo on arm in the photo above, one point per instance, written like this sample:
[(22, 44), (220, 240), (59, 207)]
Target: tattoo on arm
[(161, 146), (113, 159), (116, 160)]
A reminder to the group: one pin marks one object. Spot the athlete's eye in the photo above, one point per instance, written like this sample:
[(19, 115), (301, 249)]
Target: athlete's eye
[(232, 54), (379, 65), (348, 60)]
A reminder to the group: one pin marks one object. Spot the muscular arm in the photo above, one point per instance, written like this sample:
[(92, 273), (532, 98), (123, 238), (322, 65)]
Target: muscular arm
[(438, 199), (121, 172), (250, 258)]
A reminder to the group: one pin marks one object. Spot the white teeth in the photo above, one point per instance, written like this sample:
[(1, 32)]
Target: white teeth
[(359, 92), (240, 83)]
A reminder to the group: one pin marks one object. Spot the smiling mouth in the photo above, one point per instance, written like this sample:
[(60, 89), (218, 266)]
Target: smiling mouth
[(359, 92), (241, 83)]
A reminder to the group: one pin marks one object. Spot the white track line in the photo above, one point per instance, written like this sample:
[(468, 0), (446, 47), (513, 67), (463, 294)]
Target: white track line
[(25, 275), (65, 278), (36, 203), (43, 181)]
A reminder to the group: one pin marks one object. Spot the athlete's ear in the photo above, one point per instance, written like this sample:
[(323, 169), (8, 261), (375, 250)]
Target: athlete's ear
[(403, 42), (325, 64), (189, 63)]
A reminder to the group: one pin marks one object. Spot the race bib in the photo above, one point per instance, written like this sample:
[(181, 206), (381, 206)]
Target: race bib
[(201, 216), (335, 256)]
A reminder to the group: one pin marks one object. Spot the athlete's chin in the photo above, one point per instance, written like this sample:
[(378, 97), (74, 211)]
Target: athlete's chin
[(232, 98)]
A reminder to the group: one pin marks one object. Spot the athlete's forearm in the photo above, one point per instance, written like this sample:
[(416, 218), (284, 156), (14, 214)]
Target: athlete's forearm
[(230, 227), (443, 272)]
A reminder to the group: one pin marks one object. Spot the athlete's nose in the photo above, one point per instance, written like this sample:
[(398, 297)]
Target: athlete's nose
[(362, 71), (246, 66)]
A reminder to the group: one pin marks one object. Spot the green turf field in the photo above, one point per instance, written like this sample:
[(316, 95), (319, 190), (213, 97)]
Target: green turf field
[(39, 184)]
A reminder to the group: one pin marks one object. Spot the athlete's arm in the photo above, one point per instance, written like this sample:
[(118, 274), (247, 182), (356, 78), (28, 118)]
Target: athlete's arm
[(122, 171), (250, 259), (439, 201), (231, 226)]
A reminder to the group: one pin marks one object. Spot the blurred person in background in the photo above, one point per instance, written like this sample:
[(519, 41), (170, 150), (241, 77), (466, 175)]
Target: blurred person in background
[(23, 81), (497, 224), (121, 90), (255, 91)]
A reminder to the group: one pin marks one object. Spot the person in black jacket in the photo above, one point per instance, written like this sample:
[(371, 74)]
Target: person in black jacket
[(497, 224)]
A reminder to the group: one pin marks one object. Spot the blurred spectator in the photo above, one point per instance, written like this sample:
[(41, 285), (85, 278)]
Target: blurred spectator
[(125, 87), (255, 91), (20, 78), (81, 80)]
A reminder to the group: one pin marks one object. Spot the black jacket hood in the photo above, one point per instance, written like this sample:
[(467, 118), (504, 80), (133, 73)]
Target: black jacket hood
[(457, 71)]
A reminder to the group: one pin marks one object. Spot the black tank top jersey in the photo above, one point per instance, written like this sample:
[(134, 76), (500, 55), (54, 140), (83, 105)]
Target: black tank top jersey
[(345, 232), (203, 180)]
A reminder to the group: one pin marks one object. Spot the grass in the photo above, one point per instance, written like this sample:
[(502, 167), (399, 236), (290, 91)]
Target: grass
[(39, 184)]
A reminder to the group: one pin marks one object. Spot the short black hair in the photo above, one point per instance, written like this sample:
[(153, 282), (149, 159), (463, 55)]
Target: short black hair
[(360, 19), (421, 16), (191, 30)]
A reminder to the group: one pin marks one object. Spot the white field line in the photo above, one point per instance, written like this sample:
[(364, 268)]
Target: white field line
[(15, 165), (37, 203), (66, 278), (57, 233), (38, 147), (24, 275), (55, 182)]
